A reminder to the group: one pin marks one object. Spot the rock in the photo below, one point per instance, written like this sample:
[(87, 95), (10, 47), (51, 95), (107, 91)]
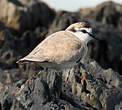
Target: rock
[(19, 16), (12, 47), (100, 92), (9, 77), (62, 20), (107, 52), (43, 90), (118, 107), (8, 53), (107, 13)]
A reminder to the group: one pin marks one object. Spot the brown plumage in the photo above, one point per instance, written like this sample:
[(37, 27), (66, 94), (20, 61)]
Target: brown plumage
[(60, 50)]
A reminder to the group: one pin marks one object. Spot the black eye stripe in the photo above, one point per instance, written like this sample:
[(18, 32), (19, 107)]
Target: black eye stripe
[(84, 31)]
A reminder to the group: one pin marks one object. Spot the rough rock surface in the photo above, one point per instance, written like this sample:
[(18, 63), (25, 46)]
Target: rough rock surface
[(22, 87), (51, 90)]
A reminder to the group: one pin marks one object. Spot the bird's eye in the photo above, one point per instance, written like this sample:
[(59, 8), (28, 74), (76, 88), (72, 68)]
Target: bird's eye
[(84, 31)]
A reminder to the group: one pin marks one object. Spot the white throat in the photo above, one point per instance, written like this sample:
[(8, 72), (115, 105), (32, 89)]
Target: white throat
[(84, 37)]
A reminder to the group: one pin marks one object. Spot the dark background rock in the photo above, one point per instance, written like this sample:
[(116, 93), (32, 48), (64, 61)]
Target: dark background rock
[(107, 52), (20, 16), (25, 25), (107, 13), (62, 20)]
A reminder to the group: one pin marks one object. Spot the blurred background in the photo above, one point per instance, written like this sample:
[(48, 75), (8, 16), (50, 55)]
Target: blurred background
[(25, 23), (74, 5)]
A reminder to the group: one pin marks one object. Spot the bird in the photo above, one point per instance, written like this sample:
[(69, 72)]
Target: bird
[(62, 49)]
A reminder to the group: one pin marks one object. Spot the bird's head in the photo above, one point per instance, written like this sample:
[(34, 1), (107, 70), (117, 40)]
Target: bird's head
[(82, 29)]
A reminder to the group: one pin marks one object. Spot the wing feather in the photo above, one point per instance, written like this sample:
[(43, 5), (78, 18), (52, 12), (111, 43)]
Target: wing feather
[(60, 47)]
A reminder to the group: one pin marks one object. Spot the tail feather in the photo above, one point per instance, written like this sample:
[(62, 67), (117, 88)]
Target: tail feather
[(21, 61), (28, 59)]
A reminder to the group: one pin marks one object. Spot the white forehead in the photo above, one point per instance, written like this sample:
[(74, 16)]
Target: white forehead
[(87, 29)]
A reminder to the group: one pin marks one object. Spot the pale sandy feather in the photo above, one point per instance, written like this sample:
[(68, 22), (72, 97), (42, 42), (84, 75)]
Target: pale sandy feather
[(59, 48)]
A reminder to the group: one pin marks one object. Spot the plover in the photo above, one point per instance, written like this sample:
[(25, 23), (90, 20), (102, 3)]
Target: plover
[(62, 49)]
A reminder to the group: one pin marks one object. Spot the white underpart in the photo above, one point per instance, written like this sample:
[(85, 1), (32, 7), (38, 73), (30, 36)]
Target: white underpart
[(83, 36)]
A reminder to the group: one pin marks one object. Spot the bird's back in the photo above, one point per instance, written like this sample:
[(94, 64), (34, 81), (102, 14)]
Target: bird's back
[(59, 48)]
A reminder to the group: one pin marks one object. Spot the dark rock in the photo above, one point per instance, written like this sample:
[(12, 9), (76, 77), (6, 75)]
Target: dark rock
[(118, 107), (62, 20), (107, 52), (101, 92), (8, 54), (20, 16), (13, 47), (107, 13), (39, 91)]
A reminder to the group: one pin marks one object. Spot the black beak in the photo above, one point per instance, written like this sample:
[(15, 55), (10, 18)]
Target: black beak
[(93, 36)]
